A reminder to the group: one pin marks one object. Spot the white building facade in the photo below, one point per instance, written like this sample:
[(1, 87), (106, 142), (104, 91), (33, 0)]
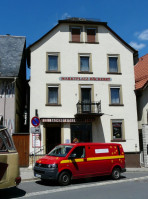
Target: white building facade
[(82, 86)]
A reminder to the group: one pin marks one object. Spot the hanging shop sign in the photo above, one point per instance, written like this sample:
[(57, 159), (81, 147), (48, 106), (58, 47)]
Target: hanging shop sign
[(36, 140), (85, 78)]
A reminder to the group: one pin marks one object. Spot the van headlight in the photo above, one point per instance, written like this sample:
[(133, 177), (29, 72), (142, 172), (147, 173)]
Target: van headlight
[(52, 166)]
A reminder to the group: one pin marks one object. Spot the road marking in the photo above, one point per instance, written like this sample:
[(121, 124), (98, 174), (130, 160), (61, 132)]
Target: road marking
[(70, 188)]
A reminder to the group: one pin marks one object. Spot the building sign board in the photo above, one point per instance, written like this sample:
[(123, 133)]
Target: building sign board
[(66, 120), (85, 78)]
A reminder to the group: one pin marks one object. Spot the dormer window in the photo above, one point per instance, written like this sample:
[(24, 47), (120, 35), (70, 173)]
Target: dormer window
[(76, 34), (91, 35)]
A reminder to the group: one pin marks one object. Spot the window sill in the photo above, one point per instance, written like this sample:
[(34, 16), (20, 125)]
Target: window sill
[(76, 42), (53, 105), (118, 140), (111, 73), (92, 42), (116, 104), (85, 72), (52, 71)]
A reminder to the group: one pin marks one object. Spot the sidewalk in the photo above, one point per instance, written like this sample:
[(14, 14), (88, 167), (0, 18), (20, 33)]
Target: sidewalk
[(27, 173)]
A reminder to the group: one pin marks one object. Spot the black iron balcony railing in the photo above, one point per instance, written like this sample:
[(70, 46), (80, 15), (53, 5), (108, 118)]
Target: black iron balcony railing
[(85, 108)]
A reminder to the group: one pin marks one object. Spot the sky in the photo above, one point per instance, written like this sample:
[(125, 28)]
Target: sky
[(34, 18)]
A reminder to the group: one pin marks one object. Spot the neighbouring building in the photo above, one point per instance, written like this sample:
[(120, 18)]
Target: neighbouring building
[(141, 89), (12, 82), (14, 93), (82, 86)]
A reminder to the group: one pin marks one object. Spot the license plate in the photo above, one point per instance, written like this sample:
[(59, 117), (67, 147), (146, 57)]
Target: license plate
[(38, 176)]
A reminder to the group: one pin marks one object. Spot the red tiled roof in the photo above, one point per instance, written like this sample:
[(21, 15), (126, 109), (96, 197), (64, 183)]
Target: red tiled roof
[(141, 72)]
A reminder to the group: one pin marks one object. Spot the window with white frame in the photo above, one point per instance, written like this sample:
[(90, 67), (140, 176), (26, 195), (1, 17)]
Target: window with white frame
[(53, 94), (76, 33), (53, 63), (85, 65), (116, 95), (91, 35), (114, 64)]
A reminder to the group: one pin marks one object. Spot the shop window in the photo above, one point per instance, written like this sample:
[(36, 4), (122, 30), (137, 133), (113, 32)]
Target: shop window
[(117, 130), (83, 132)]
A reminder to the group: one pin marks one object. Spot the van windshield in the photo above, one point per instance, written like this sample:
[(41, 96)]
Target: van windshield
[(60, 151), (6, 142)]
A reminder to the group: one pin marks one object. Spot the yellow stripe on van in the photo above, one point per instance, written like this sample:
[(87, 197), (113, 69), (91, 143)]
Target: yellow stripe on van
[(74, 160), (105, 158), (93, 159)]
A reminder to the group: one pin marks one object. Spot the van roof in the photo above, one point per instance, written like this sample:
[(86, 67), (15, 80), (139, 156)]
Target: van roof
[(90, 143)]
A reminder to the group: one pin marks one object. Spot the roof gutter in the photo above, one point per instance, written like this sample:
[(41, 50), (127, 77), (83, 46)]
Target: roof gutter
[(1, 77), (82, 22)]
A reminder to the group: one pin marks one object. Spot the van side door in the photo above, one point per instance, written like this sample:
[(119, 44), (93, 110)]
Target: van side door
[(78, 162)]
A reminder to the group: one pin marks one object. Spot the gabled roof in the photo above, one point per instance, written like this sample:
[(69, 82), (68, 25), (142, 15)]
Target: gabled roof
[(11, 51), (141, 72), (75, 20)]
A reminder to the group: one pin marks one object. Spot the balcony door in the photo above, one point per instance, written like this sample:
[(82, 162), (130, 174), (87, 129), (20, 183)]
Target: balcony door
[(86, 99)]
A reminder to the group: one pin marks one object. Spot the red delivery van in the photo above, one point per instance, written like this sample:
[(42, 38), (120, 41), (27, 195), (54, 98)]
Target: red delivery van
[(81, 160)]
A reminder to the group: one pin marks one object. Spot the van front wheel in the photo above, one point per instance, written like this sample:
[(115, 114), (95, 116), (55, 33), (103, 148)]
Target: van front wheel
[(64, 178), (116, 173)]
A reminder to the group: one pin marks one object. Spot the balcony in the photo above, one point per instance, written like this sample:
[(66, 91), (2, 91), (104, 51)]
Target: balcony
[(88, 109)]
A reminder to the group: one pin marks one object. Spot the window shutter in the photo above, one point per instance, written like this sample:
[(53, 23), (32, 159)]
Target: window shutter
[(91, 33), (76, 34)]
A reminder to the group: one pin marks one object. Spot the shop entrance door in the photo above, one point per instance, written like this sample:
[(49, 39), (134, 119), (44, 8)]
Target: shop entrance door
[(53, 137)]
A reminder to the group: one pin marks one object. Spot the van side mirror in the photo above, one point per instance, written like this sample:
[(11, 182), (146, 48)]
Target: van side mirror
[(72, 156)]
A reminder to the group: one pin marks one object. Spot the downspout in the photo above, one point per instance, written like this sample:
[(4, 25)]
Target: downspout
[(14, 103)]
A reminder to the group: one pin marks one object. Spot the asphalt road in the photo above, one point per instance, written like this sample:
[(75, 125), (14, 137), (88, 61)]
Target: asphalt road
[(131, 185)]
